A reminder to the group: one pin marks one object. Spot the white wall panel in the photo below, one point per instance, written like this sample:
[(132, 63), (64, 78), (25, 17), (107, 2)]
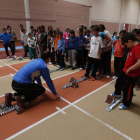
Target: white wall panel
[(82, 2)]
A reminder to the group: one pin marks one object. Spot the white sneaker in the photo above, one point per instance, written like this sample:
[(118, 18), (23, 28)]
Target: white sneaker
[(8, 57), (108, 77), (14, 56), (114, 77), (81, 69), (50, 63)]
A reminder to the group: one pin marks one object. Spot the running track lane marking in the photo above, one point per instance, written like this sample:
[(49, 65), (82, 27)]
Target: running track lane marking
[(72, 104), (60, 110)]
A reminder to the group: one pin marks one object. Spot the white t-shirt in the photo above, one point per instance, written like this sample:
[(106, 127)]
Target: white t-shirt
[(95, 45), (24, 37), (108, 34), (21, 35), (31, 41)]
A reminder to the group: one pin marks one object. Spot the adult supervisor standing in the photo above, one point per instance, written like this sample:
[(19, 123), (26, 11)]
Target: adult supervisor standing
[(23, 82)]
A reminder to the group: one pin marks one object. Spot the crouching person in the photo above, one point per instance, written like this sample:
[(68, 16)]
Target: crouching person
[(23, 82)]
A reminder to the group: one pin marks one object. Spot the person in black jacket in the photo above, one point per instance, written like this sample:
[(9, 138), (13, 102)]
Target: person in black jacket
[(43, 39)]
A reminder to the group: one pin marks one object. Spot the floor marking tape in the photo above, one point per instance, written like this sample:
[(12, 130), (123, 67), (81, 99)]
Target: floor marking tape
[(60, 110)]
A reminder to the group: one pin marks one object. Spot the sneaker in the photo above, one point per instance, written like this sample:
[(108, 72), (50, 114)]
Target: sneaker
[(62, 69), (69, 66), (108, 77), (59, 67), (114, 95), (50, 63), (20, 101), (8, 99), (99, 77), (81, 69), (84, 76), (73, 68), (123, 107), (137, 87), (14, 56), (25, 57), (114, 77), (93, 79), (8, 57)]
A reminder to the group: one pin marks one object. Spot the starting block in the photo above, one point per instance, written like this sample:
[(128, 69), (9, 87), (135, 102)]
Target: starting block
[(113, 102), (74, 83), (6, 110)]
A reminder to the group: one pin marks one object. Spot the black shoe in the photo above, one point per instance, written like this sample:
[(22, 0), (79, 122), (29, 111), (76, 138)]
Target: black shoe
[(73, 68), (99, 77), (8, 99), (20, 101), (69, 66)]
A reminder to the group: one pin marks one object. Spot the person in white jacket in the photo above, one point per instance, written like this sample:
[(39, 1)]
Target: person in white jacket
[(31, 46)]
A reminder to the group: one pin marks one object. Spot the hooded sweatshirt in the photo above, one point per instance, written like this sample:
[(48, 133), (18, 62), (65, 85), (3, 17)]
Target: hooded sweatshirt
[(61, 45), (81, 40), (72, 43)]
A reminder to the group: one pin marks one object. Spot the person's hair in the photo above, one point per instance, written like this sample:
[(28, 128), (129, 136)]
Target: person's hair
[(134, 30), (49, 27), (81, 30), (34, 30), (21, 25), (22, 30), (60, 33), (87, 31), (50, 35), (9, 27), (67, 29), (92, 26), (54, 31), (4, 29), (45, 55), (114, 33), (72, 32), (122, 31), (29, 34), (38, 28), (138, 32), (102, 26), (43, 27), (96, 28), (129, 36), (31, 27), (57, 32), (84, 27)]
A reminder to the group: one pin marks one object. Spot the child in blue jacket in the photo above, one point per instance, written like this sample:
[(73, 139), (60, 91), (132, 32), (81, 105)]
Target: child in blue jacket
[(6, 42), (61, 49), (82, 41), (72, 49)]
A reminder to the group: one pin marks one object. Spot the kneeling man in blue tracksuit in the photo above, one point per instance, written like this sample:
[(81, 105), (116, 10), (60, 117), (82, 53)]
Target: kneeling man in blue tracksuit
[(24, 82)]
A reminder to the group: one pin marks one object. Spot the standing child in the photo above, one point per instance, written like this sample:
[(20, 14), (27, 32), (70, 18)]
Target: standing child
[(87, 32), (61, 49), (66, 37), (56, 44), (137, 85), (119, 54), (114, 39), (50, 41), (82, 41), (96, 47), (31, 44), (35, 38), (53, 50), (6, 42), (38, 37), (72, 49), (128, 77), (25, 44)]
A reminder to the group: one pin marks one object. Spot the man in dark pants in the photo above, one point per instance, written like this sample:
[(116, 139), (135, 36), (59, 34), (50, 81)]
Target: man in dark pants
[(6, 42), (131, 71), (43, 39), (23, 82)]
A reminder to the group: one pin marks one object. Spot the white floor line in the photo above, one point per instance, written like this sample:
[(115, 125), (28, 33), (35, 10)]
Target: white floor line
[(60, 110), (100, 121), (5, 76), (9, 65)]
